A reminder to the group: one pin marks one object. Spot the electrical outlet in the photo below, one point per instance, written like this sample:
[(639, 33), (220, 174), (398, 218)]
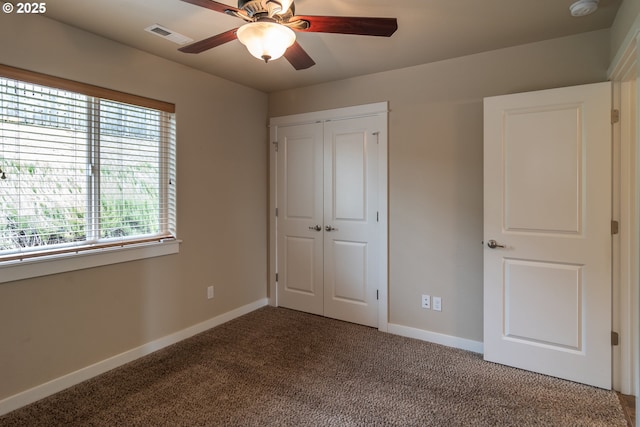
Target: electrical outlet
[(437, 303), (210, 292), (426, 301)]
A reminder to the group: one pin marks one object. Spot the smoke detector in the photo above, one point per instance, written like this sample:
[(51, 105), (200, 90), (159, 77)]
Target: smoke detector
[(583, 7)]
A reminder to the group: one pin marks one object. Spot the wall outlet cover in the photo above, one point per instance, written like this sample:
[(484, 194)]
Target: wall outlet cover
[(426, 301)]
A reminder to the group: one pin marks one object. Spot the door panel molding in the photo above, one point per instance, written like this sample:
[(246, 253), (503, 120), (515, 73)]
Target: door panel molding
[(543, 165)]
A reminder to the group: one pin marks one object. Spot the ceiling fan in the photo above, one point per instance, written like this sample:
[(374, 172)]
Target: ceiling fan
[(269, 28)]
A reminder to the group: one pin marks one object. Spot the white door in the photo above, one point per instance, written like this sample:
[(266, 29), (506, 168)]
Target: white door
[(327, 219), (350, 216), (547, 218), (300, 227)]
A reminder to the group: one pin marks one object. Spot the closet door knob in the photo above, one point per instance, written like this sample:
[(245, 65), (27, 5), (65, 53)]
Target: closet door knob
[(493, 244)]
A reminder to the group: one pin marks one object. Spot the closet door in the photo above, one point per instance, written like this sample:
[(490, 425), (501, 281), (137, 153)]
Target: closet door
[(350, 217), (328, 229), (300, 228)]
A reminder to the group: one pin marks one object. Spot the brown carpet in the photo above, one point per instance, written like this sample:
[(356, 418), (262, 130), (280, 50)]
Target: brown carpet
[(284, 368)]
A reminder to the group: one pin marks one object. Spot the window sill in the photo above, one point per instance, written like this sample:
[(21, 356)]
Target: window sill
[(54, 264)]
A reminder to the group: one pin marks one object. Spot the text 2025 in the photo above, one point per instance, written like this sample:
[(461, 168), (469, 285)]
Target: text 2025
[(31, 7)]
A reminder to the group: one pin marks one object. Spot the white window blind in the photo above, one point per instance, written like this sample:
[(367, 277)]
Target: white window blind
[(80, 171)]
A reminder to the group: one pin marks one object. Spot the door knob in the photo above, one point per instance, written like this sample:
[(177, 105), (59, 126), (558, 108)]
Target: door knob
[(315, 227), (330, 228), (493, 244)]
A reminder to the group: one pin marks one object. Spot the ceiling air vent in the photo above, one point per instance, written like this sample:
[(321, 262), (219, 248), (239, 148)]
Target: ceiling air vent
[(168, 34)]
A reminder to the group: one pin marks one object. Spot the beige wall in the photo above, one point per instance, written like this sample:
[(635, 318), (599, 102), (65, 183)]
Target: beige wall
[(57, 324), (627, 14), (435, 163)]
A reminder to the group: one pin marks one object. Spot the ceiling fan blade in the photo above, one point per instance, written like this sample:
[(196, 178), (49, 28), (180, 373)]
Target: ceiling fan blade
[(382, 27), (210, 42), (213, 5), (297, 57)]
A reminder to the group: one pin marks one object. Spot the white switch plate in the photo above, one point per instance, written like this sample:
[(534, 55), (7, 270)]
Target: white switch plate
[(210, 292), (437, 303)]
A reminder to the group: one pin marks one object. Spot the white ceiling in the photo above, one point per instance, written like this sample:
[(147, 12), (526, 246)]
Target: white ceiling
[(428, 31)]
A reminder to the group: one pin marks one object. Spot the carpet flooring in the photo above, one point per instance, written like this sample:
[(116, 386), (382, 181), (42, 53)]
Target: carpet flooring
[(278, 367)]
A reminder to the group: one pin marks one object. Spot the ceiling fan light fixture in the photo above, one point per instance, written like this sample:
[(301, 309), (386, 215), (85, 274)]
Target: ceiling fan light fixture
[(266, 40), (583, 7)]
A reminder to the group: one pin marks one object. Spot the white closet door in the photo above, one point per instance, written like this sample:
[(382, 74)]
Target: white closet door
[(300, 228), (350, 217), (327, 223)]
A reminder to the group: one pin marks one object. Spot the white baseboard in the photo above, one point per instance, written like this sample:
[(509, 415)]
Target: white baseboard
[(41, 391), (437, 338)]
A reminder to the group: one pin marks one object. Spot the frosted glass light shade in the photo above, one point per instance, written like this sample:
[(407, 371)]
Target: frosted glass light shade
[(266, 40)]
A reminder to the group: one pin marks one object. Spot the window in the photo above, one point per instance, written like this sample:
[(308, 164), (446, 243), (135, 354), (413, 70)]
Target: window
[(82, 168)]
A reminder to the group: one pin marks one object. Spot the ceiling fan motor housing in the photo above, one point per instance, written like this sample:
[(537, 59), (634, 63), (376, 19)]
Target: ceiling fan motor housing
[(256, 8)]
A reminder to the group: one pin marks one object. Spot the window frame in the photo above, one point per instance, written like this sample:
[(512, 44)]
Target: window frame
[(52, 261)]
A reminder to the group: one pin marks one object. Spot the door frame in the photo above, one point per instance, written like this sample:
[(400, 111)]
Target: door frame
[(380, 109), (625, 76)]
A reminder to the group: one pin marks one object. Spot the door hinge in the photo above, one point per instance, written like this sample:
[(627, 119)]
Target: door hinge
[(615, 227), (276, 212), (377, 294), (615, 338), (276, 277), (615, 116), (377, 216), (275, 144)]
